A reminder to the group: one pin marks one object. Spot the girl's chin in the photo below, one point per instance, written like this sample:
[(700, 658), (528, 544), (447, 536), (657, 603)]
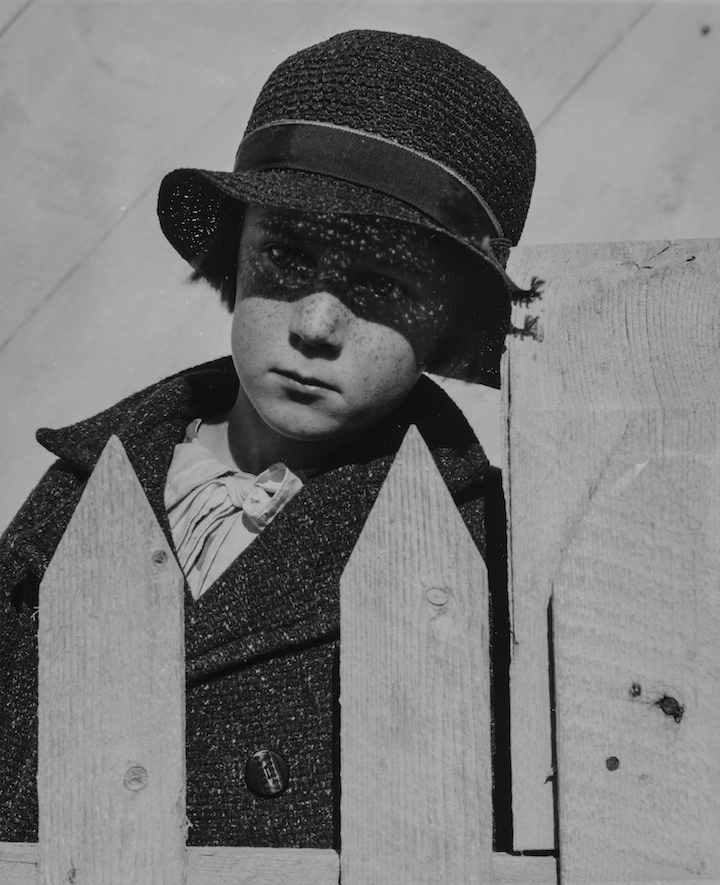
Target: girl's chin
[(313, 428), (304, 424)]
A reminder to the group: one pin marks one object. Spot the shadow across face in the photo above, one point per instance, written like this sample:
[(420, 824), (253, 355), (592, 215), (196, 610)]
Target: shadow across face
[(382, 270)]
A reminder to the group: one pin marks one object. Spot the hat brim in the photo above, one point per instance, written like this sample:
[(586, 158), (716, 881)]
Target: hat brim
[(193, 202)]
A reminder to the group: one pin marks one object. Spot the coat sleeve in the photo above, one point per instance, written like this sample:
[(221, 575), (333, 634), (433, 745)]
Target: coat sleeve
[(26, 548)]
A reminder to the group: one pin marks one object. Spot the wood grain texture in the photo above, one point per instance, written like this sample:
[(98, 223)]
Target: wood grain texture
[(262, 866), (632, 152), (615, 482), (19, 863), (414, 677), (529, 589), (274, 866), (111, 774)]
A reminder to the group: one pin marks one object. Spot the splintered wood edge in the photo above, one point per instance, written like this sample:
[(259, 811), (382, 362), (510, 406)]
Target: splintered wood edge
[(274, 866)]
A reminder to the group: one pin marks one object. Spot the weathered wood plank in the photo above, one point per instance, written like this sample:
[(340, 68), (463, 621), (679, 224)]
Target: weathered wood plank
[(529, 590), (632, 153), (617, 439), (511, 869), (111, 781), (19, 863), (274, 866), (262, 866), (414, 677)]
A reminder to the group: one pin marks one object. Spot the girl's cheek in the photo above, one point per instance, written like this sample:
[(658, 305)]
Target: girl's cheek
[(423, 326)]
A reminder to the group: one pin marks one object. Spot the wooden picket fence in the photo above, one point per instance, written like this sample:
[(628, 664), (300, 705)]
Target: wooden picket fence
[(612, 412)]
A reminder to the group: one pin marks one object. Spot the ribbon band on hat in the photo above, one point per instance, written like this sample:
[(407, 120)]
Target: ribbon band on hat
[(371, 161)]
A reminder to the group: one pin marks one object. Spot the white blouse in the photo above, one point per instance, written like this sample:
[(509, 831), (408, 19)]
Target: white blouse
[(216, 511)]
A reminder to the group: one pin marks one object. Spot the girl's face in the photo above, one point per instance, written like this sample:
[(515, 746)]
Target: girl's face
[(334, 318)]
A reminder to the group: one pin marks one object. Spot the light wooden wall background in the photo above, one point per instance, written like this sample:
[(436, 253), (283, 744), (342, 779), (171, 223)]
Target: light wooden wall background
[(99, 99)]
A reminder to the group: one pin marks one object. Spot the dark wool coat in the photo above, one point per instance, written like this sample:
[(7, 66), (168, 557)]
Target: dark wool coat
[(262, 642)]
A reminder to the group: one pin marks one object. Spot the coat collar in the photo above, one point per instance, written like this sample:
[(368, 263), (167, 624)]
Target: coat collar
[(149, 424), (297, 560), (199, 392)]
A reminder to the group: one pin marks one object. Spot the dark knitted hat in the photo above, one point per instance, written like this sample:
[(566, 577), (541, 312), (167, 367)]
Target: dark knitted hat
[(381, 124)]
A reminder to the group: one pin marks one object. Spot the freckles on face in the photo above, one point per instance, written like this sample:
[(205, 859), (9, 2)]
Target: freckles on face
[(330, 389), (333, 319), (383, 270)]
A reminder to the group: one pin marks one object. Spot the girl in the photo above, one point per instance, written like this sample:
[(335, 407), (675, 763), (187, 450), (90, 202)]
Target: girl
[(359, 241)]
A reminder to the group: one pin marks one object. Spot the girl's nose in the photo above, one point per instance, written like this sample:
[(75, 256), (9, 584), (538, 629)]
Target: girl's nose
[(320, 320)]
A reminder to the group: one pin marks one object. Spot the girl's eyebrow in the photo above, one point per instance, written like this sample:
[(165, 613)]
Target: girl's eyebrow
[(277, 226)]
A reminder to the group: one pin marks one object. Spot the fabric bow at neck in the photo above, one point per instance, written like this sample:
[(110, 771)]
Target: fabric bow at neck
[(215, 511)]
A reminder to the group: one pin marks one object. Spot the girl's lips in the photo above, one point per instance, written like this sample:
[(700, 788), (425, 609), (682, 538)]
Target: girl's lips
[(303, 382)]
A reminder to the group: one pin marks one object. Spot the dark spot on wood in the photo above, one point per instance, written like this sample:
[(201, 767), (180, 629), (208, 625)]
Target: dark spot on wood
[(612, 763), (72, 874), (705, 30), (670, 707), (635, 690)]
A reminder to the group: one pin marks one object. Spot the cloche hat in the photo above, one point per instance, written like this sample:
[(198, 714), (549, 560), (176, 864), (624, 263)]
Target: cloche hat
[(382, 124)]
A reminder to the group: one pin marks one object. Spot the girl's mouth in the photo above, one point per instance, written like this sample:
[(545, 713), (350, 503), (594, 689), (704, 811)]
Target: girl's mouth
[(306, 383)]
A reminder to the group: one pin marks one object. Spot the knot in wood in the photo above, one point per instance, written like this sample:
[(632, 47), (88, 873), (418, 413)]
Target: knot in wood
[(159, 558), (437, 597), (670, 707), (136, 778), (612, 763), (440, 604)]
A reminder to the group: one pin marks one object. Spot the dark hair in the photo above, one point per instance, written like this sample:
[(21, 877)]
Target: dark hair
[(478, 324), (480, 319), (218, 266)]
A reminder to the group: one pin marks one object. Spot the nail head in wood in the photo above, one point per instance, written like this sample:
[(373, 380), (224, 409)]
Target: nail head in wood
[(136, 778), (159, 558)]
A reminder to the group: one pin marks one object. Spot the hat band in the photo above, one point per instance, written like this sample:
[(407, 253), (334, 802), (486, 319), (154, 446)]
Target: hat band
[(374, 162)]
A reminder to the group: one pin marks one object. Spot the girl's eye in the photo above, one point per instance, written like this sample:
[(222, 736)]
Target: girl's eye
[(288, 258), (379, 285)]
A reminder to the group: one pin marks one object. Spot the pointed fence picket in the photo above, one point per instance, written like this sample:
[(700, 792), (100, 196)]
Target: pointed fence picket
[(416, 785), (613, 481), (111, 785), (416, 771)]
